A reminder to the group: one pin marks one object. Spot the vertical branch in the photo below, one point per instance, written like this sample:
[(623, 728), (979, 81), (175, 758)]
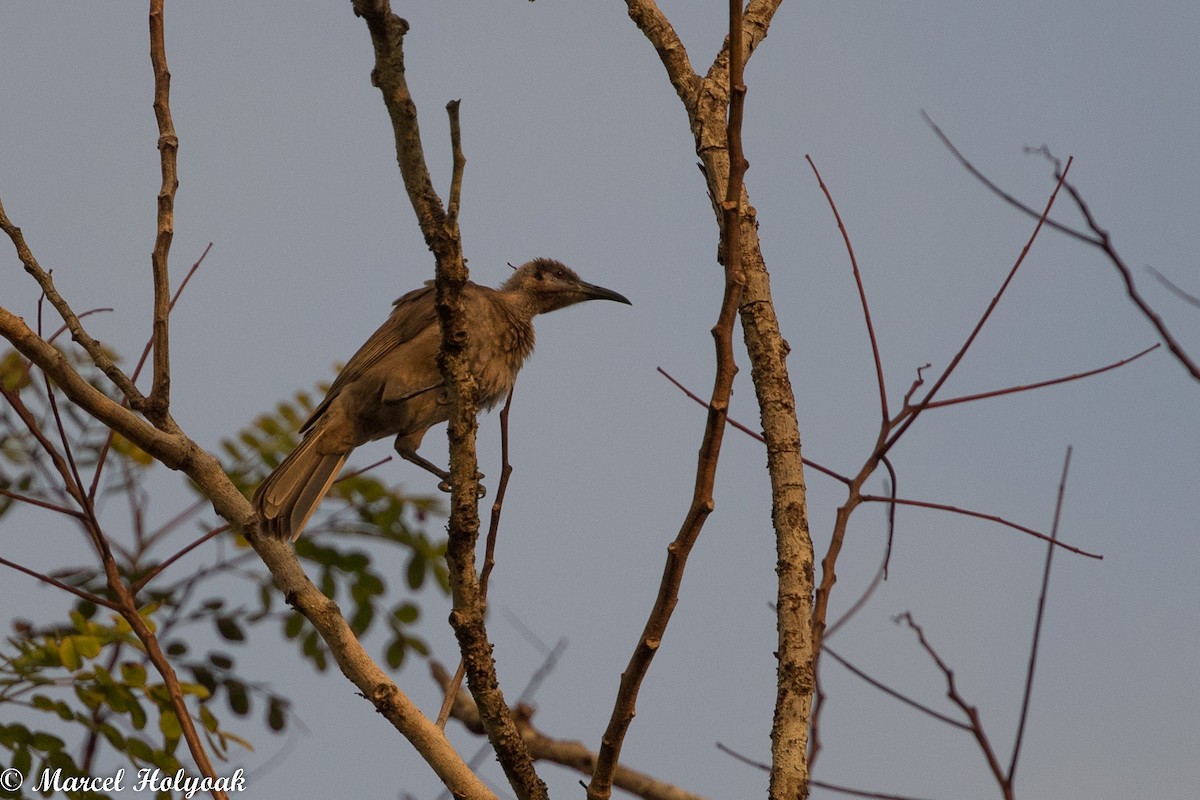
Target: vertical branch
[(456, 174), (168, 148), (702, 503), (441, 234), (489, 554), (1037, 625), (706, 101)]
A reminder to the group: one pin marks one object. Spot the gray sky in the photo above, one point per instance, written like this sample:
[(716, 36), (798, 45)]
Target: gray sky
[(579, 150)]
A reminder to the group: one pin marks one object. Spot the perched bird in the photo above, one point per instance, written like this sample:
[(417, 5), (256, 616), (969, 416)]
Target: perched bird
[(392, 386)]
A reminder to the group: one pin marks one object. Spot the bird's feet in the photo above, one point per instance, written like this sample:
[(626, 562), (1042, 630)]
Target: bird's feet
[(444, 485)]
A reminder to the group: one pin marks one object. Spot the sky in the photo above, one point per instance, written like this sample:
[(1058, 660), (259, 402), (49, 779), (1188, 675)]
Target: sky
[(579, 150)]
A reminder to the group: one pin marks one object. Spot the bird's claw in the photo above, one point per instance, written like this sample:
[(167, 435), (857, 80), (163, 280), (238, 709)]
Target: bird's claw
[(482, 493)]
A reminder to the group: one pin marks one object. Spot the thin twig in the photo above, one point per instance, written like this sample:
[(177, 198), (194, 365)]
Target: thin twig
[(862, 293), (1038, 619), (890, 692), (456, 174), (489, 557), (1040, 384), (974, 722), (898, 431), (137, 370), (1174, 288), (57, 584), (1098, 238), (733, 423), (872, 498), (149, 576)]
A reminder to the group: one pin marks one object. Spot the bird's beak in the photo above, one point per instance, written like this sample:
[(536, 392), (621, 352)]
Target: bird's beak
[(594, 292)]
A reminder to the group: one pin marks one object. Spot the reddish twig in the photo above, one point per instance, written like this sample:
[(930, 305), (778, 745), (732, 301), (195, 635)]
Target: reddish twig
[(745, 429), (149, 576), (1098, 238), (899, 429), (1040, 384), (1038, 619), (862, 293), (980, 515), (137, 370), (57, 584), (974, 723)]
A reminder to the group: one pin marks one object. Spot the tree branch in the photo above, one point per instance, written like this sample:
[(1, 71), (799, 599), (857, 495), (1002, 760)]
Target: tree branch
[(571, 754), (387, 35), (159, 401)]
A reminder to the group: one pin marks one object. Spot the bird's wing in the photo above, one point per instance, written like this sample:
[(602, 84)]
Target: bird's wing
[(413, 313)]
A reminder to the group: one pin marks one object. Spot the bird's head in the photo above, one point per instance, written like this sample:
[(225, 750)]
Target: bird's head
[(549, 285)]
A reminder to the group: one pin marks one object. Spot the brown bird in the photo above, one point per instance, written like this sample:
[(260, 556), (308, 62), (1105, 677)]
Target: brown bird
[(392, 386)]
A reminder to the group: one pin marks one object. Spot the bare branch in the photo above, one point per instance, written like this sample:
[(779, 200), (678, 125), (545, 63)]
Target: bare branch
[(489, 553), (1174, 288), (889, 691), (862, 293), (456, 174), (57, 584), (1098, 238), (1040, 384), (168, 147), (980, 515), (600, 786), (100, 357), (571, 754), (1027, 695), (899, 430), (387, 35), (975, 724)]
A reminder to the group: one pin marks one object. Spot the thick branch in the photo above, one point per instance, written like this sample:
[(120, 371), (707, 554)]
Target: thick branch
[(767, 350), (441, 234), (179, 452)]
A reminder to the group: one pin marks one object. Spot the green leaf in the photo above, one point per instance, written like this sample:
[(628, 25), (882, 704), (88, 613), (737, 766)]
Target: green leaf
[(133, 673), (416, 571), (293, 625), (239, 701), (69, 655), (229, 629), (87, 646), (220, 661), (168, 723), (139, 749), (208, 720), (406, 613), (395, 654), (277, 714), (47, 742)]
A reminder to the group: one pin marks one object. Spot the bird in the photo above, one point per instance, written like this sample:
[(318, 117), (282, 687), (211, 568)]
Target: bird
[(392, 385)]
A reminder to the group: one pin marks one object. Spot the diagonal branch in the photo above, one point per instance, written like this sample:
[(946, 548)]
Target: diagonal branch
[(95, 350), (1098, 238), (862, 293)]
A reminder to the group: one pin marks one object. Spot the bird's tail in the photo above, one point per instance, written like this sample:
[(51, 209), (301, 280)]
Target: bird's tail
[(289, 495)]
